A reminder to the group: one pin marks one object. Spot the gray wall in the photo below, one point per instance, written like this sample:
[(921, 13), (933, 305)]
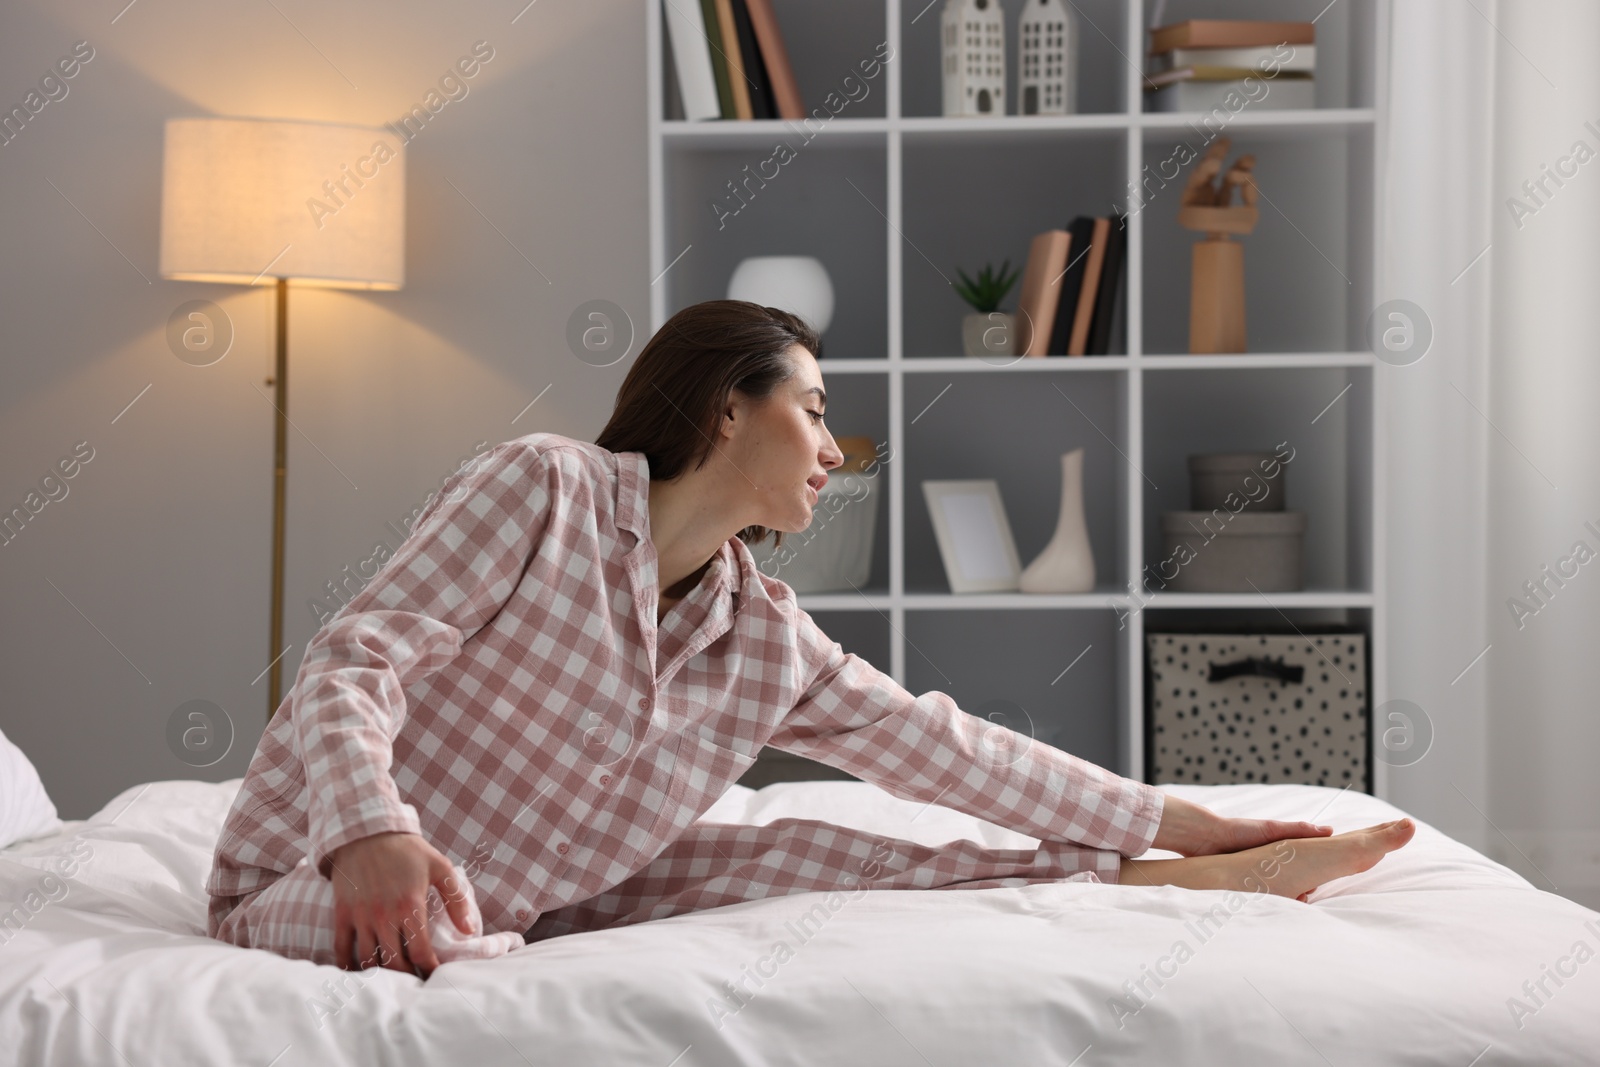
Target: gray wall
[(147, 585)]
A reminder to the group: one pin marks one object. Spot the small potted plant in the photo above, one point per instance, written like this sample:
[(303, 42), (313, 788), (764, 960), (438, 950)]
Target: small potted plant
[(987, 331)]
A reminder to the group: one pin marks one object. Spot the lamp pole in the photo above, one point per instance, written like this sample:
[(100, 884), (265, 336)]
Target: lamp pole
[(280, 452)]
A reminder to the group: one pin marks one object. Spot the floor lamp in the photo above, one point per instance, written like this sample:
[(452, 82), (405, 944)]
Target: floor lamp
[(266, 202)]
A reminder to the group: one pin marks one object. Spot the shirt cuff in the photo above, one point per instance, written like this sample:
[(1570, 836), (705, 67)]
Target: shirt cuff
[(1151, 802), (374, 815)]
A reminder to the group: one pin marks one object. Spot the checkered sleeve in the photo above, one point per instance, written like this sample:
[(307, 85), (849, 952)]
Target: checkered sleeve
[(461, 563), (855, 717)]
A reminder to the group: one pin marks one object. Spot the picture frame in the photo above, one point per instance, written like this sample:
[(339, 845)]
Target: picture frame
[(975, 542)]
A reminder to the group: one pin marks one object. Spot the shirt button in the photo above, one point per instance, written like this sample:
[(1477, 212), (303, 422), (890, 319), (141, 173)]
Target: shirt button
[(562, 848), (522, 915), (644, 703), (605, 779)]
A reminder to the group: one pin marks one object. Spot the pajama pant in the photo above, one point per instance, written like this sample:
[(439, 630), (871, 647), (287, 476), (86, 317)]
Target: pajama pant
[(714, 864), (710, 865)]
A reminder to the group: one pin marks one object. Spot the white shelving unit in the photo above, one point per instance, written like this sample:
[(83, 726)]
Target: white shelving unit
[(892, 197)]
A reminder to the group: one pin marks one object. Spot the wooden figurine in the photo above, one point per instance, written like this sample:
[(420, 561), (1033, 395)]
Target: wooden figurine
[(1216, 292)]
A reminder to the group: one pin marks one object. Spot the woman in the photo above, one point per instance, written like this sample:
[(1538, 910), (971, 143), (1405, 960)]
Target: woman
[(518, 721)]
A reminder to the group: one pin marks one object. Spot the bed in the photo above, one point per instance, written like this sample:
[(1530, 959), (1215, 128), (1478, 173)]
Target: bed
[(1418, 961)]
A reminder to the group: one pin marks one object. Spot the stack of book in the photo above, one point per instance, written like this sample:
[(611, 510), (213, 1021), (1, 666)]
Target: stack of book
[(1072, 289), (730, 60), (1203, 64)]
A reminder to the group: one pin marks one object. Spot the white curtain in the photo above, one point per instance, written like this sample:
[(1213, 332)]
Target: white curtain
[(1492, 437), (1544, 486)]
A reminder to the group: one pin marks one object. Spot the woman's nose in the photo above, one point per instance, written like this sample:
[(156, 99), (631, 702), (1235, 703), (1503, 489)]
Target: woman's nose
[(832, 456)]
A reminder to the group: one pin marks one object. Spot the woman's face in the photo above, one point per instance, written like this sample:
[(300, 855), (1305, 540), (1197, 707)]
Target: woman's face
[(782, 447)]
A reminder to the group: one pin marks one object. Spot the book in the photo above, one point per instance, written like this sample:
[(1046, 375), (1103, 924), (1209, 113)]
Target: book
[(1229, 33), (691, 60), (1041, 291), (1082, 230), (719, 59), (762, 105), (732, 56), (1284, 57), (1218, 74), (785, 90), (1281, 93), (1093, 265), (1108, 299)]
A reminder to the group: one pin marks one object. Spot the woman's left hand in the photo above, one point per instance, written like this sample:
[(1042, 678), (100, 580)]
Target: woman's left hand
[(1191, 830)]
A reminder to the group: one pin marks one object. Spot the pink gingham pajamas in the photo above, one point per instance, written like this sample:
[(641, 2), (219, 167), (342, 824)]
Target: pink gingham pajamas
[(501, 687)]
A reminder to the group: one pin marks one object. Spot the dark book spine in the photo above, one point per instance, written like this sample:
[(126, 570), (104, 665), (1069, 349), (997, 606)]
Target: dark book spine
[(762, 105), (719, 59), (1082, 229), (1111, 282)]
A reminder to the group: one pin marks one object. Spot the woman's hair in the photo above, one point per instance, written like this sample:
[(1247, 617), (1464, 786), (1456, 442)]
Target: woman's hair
[(671, 402)]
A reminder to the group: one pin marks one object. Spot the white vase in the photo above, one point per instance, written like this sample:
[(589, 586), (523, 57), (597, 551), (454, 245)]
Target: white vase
[(1067, 563), (798, 284)]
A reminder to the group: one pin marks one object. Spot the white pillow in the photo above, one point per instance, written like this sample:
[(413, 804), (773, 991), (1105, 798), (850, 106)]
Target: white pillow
[(25, 808)]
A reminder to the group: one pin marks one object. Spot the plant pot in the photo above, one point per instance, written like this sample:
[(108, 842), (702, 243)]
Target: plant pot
[(988, 333)]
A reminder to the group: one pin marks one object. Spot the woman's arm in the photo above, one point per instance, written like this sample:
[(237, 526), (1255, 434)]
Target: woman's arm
[(854, 717), (460, 565)]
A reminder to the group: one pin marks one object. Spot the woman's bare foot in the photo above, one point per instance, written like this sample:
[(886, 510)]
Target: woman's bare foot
[(1290, 868)]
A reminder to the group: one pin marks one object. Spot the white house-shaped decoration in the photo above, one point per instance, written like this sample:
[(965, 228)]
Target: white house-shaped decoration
[(974, 37), (1048, 45)]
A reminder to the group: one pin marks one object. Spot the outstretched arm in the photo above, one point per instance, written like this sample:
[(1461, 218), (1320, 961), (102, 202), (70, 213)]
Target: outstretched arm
[(854, 717)]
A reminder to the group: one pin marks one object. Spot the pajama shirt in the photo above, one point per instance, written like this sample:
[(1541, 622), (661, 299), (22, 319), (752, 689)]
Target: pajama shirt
[(502, 688)]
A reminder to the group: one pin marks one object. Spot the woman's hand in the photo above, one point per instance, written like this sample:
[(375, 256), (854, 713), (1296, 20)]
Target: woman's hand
[(380, 892), (1191, 830)]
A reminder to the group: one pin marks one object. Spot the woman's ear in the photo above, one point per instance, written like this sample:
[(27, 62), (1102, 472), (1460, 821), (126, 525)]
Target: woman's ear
[(733, 412)]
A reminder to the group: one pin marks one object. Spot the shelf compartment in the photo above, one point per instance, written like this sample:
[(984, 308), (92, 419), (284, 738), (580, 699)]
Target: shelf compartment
[(827, 41), (1016, 365), (1322, 413), (1248, 360), (1345, 40), (1102, 70), (1059, 682), (1104, 596), (1290, 123), (1304, 598), (1010, 129), (765, 133), (1015, 191), (1015, 431), (811, 206), (1307, 265)]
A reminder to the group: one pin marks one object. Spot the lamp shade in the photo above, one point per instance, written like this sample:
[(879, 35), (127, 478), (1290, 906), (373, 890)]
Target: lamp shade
[(249, 201)]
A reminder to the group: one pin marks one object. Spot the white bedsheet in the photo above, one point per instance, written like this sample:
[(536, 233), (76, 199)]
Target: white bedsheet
[(1417, 961)]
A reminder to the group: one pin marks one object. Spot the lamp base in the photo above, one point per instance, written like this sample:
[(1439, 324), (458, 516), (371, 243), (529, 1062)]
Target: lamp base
[(280, 453)]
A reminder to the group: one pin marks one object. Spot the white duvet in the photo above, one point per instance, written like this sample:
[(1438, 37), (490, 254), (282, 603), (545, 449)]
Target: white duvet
[(1436, 956)]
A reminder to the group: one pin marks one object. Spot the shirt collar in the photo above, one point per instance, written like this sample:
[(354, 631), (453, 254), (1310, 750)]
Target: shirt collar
[(731, 571), (633, 487)]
